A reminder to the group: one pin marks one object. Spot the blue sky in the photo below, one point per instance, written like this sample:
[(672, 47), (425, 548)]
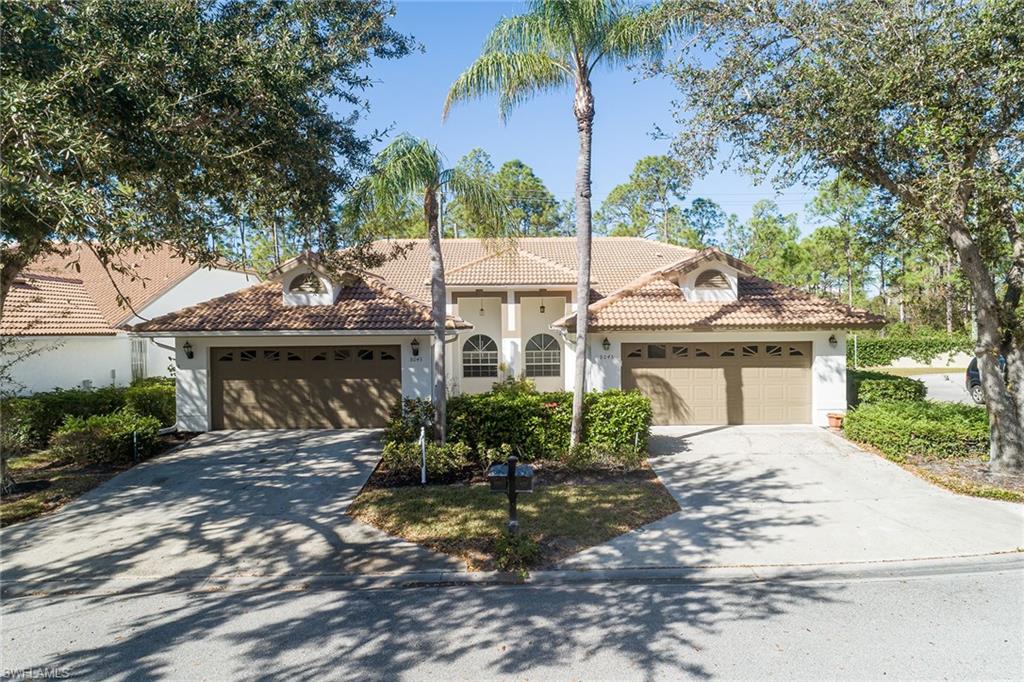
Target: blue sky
[(408, 94)]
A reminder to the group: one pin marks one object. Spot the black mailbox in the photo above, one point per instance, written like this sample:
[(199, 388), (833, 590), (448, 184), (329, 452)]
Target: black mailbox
[(497, 475)]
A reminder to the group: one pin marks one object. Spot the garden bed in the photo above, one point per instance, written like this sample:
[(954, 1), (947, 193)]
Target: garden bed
[(44, 481), (570, 511)]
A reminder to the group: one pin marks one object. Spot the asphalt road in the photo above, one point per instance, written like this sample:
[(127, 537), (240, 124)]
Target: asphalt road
[(963, 625), (948, 388)]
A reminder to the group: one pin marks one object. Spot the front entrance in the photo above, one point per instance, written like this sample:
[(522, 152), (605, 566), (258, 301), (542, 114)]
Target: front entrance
[(303, 387), (722, 383)]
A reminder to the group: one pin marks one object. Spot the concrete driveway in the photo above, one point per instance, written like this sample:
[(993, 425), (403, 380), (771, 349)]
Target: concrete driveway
[(798, 495), (228, 504)]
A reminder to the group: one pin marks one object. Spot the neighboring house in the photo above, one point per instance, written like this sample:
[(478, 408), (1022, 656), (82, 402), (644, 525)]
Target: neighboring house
[(697, 331), (66, 323)]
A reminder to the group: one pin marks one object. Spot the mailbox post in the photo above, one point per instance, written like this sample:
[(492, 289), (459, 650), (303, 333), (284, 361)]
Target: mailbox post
[(511, 478)]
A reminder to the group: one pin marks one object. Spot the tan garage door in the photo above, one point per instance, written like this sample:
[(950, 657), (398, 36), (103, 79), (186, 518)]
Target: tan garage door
[(304, 387), (722, 383)]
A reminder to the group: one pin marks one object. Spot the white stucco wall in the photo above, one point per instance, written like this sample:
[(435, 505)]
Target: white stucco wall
[(66, 362), (193, 385), (536, 322), (489, 323), (828, 367)]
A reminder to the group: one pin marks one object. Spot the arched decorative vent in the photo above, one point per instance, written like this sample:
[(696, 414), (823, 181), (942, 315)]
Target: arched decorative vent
[(307, 283), (543, 356), (479, 357), (712, 279)]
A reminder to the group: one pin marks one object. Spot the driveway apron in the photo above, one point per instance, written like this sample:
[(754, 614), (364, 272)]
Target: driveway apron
[(798, 495), (228, 504)]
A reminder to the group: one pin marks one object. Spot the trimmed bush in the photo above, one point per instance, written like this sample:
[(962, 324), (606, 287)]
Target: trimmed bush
[(31, 421), (490, 420), (154, 399), (873, 387), (403, 459), (406, 418), (923, 429), (106, 438), (881, 351), (617, 421)]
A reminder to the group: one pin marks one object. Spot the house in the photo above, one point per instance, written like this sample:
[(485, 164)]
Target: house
[(65, 323), (697, 331)]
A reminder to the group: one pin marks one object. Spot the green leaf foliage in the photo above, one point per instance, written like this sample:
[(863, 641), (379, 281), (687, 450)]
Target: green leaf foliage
[(881, 351), (29, 422), (153, 399), (920, 429), (873, 387), (113, 438), (402, 460)]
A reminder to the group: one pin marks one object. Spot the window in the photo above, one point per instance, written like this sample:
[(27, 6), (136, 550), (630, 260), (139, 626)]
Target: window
[(387, 355), (681, 351), (292, 357), (712, 279), (749, 351), (479, 357), (773, 351), (729, 352), (139, 351), (272, 355), (655, 351), (701, 353), (342, 354), (635, 353), (794, 351), (226, 357), (319, 357), (364, 354), (247, 356), (307, 283), (543, 356)]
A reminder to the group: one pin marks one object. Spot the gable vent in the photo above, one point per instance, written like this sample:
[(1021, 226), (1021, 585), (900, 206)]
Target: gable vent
[(712, 279)]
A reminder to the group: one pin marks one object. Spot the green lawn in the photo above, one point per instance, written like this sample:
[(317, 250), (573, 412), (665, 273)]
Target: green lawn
[(465, 520)]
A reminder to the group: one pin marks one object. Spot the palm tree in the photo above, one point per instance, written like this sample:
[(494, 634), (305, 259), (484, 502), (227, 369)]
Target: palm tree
[(409, 166), (557, 44)]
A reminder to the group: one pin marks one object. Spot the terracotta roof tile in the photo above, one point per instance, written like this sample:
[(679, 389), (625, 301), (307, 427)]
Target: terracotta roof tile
[(366, 305), (43, 305), (510, 267), (653, 302)]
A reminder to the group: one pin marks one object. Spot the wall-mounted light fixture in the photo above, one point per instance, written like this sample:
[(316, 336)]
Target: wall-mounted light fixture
[(606, 344), (415, 346), (188, 350), (542, 308), (832, 341)]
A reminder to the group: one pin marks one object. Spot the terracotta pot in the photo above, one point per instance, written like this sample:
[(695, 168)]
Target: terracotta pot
[(835, 420)]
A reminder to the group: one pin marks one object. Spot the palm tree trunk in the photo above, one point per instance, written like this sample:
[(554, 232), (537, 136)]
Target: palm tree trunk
[(437, 312), (583, 107)]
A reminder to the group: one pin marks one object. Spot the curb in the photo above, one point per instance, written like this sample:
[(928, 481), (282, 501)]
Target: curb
[(905, 569)]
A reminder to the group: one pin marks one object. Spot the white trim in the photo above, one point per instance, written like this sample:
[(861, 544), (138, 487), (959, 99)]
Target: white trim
[(297, 332)]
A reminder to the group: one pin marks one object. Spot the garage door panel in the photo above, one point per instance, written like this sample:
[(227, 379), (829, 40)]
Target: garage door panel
[(304, 387), (727, 383)]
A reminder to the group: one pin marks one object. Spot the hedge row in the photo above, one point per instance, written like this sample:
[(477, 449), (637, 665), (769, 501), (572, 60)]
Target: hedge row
[(115, 438), (922, 428), (534, 426), (873, 387), (881, 351), (30, 422)]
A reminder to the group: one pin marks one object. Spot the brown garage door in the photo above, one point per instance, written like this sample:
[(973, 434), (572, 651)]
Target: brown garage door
[(722, 383), (304, 387)]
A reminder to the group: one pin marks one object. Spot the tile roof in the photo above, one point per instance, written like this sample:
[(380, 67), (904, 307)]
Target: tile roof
[(43, 305), (367, 304), (510, 267), (615, 261), (113, 294), (654, 302)]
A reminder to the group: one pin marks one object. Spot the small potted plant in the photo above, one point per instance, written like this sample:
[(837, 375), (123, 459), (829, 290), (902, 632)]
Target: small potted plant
[(835, 420)]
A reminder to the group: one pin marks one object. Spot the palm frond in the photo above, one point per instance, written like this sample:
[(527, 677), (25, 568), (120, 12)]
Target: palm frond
[(643, 33), (482, 198), (524, 33), (514, 77)]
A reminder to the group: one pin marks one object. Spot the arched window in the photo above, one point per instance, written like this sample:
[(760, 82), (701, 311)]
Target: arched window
[(543, 356), (479, 357), (307, 283), (712, 279)]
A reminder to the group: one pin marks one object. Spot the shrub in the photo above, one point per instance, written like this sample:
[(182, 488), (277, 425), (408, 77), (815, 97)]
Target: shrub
[(618, 421), (403, 459), (407, 416), (106, 438), (923, 428), (153, 381), (31, 421), (155, 399), (515, 552), (880, 351), (873, 387), (490, 420)]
